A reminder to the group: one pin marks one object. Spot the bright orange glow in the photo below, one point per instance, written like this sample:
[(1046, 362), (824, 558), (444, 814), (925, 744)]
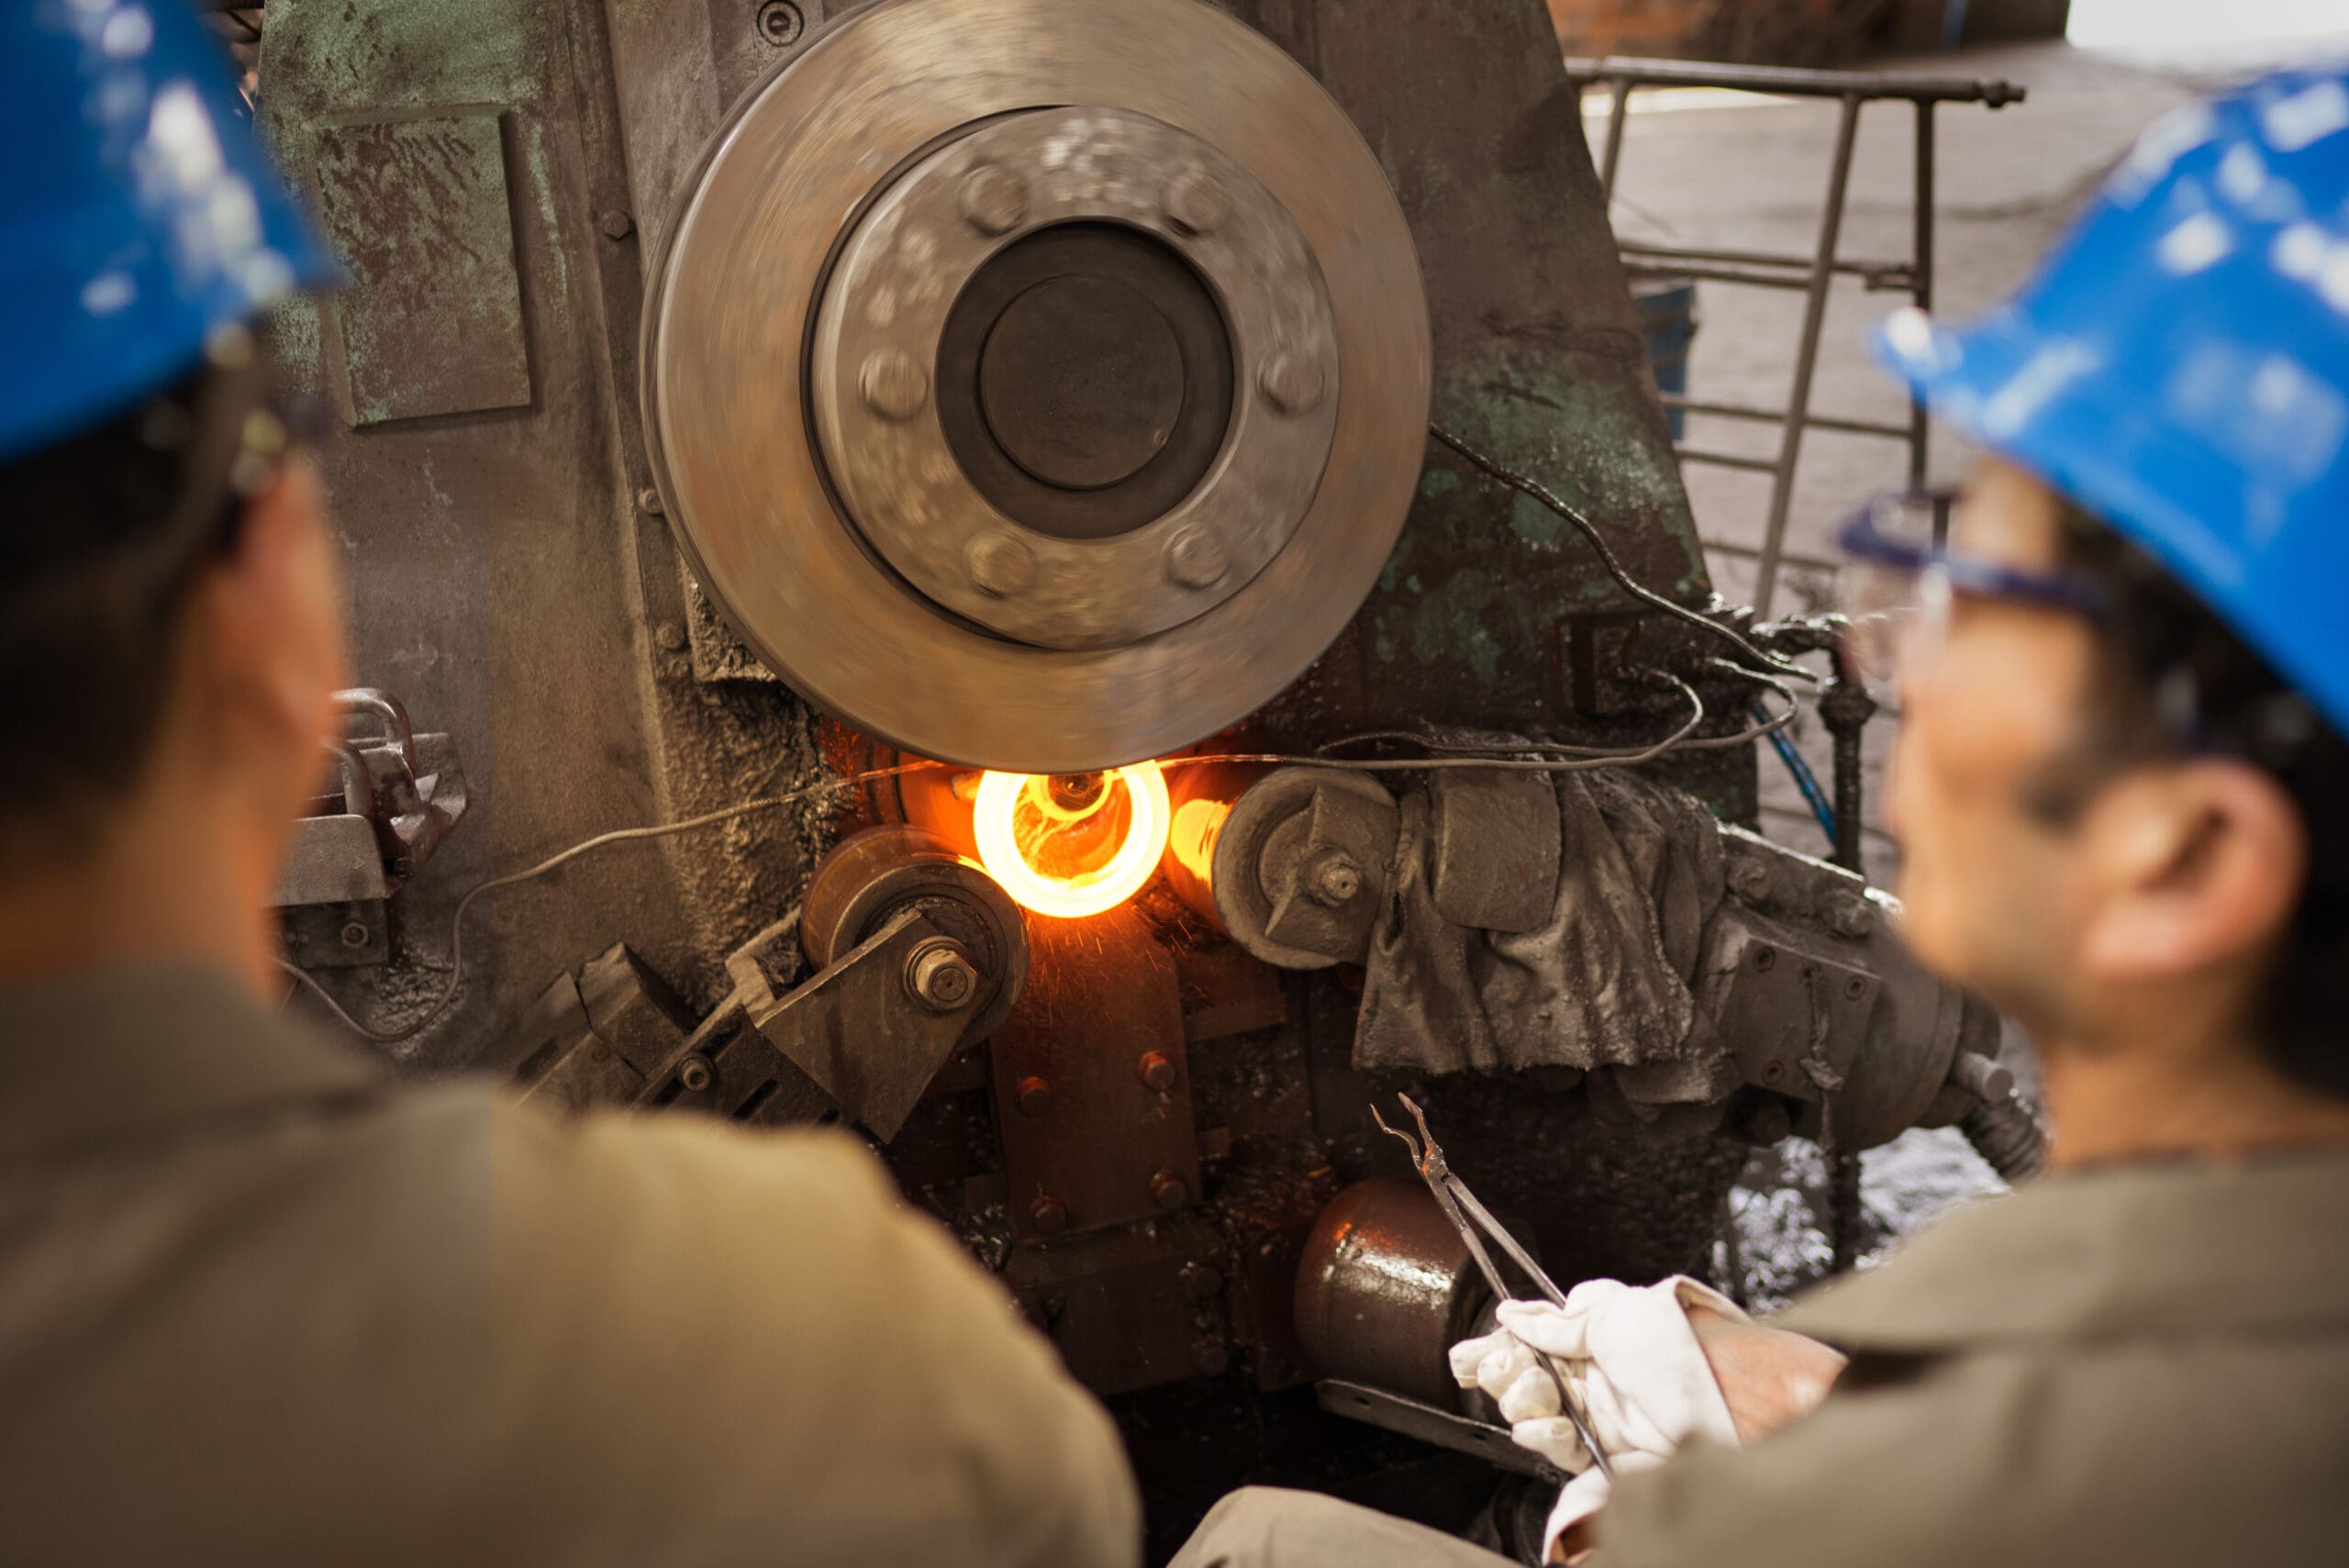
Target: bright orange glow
[(1069, 862), (1196, 822)]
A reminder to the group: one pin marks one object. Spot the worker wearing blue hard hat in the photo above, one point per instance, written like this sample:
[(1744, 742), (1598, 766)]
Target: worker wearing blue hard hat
[(2121, 795), (260, 1302)]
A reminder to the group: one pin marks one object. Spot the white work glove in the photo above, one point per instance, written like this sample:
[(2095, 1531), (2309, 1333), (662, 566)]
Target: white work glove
[(1633, 1364)]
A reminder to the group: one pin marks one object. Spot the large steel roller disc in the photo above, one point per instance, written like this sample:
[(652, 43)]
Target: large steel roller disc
[(1038, 384)]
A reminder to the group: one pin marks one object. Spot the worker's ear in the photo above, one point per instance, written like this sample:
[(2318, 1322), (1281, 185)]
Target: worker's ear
[(2188, 865), (267, 630)]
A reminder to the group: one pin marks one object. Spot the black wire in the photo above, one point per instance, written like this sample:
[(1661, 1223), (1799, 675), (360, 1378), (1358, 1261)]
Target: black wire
[(1494, 470)]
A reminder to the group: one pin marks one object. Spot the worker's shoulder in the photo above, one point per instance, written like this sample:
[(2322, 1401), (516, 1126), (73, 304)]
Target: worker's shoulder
[(2149, 1449)]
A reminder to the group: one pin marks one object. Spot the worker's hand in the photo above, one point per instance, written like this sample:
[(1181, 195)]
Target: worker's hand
[(1650, 1367), (1769, 1376)]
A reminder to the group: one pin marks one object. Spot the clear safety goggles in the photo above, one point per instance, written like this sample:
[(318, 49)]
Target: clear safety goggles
[(1900, 583)]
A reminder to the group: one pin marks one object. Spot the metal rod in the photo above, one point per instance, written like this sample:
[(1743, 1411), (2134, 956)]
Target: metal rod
[(1878, 274), (1777, 416), (1922, 282), (1786, 558), (1814, 317), (1707, 271), (1844, 1209), (1728, 459), (1795, 84), (1615, 115)]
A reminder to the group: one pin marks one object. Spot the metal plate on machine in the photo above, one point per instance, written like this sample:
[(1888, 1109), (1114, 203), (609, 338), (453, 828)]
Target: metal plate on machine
[(417, 208), (1097, 1117)]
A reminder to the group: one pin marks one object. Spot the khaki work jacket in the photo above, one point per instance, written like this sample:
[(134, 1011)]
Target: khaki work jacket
[(2144, 1366), (261, 1304)]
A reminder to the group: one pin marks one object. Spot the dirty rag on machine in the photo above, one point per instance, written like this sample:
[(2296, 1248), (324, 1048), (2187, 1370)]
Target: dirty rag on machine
[(1600, 980)]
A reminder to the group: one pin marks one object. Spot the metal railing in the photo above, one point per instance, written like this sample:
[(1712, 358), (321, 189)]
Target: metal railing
[(1812, 275)]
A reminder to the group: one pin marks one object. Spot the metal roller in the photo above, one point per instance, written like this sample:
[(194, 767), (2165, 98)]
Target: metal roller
[(1038, 384)]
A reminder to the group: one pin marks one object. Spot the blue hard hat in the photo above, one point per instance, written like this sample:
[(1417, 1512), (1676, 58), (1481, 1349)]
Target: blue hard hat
[(2179, 366), (138, 213)]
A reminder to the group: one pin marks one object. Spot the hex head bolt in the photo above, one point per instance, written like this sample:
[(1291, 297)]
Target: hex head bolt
[(1195, 560), (1034, 1097), (1195, 202), (939, 976), (1333, 879), (1000, 565), (1169, 1191), (1157, 1069), (1291, 382), (1049, 1214), (895, 386), (994, 200)]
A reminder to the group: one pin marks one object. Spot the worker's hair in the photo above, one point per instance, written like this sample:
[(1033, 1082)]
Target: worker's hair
[(2173, 679), (96, 556)]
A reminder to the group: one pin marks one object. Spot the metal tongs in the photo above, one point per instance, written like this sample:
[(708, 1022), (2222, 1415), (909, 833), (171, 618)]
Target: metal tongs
[(1476, 1222)]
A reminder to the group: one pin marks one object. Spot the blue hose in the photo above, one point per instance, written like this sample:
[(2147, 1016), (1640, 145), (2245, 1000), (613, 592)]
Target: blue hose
[(1805, 780)]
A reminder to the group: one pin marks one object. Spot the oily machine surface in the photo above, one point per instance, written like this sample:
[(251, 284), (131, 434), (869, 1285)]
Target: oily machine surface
[(964, 466)]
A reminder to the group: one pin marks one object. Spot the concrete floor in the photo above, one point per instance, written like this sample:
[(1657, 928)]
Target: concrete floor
[(1736, 171)]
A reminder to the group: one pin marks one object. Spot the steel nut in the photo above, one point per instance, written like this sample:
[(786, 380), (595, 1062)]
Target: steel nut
[(1157, 1070), (1291, 382), (1000, 565), (1194, 558), (1169, 1191), (1034, 1097), (1333, 880), (895, 386), (940, 976), (1196, 202), (994, 200)]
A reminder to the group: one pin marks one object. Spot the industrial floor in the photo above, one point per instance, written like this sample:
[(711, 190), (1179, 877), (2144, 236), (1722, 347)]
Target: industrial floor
[(1732, 171)]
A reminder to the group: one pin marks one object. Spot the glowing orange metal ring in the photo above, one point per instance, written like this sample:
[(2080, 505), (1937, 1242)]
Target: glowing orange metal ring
[(1104, 886)]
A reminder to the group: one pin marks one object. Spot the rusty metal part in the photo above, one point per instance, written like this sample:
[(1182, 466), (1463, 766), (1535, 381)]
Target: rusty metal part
[(1496, 843), (1300, 864), (871, 874), (1386, 1287), (881, 90), (2004, 1131), (1434, 1424), (1108, 1146), (900, 276), (857, 1040), (1821, 1003), (396, 796)]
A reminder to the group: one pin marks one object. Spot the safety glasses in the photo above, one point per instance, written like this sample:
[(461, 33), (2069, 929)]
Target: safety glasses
[(1900, 583)]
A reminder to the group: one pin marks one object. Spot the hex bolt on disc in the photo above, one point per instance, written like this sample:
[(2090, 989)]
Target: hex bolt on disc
[(994, 200), (1292, 381), (1195, 560), (1196, 202), (1000, 565), (895, 387)]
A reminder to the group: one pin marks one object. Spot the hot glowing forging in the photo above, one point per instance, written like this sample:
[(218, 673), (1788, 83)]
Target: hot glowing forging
[(1067, 860)]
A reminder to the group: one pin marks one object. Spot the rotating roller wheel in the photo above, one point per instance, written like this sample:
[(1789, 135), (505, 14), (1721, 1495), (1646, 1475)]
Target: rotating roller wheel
[(872, 873)]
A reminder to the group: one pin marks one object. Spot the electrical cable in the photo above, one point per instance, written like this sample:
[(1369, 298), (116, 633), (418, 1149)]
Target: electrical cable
[(1493, 469), (1806, 781)]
